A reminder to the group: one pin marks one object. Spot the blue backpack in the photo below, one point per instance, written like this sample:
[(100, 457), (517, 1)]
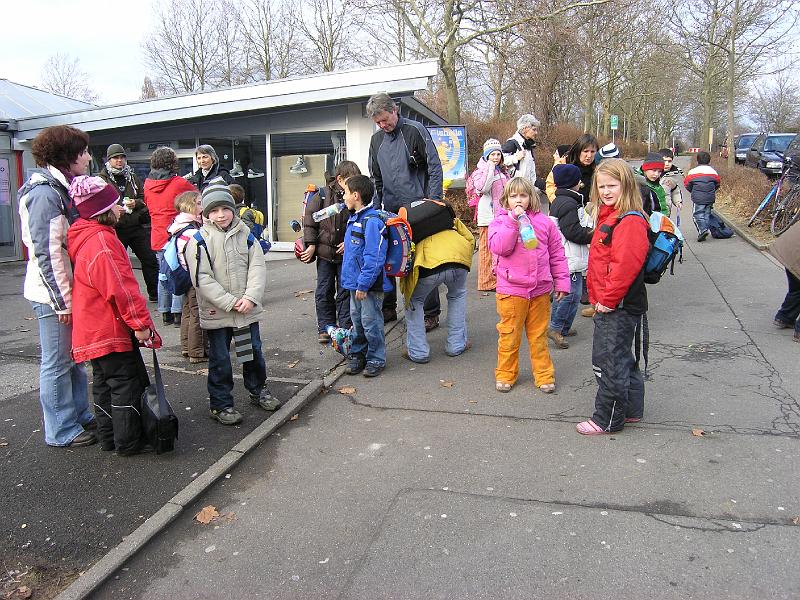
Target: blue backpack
[(666, 245), (173, 276), (400, 249)]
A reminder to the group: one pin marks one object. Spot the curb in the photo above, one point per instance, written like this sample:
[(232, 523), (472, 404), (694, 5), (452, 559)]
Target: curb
[(742, 233), (135, 541)]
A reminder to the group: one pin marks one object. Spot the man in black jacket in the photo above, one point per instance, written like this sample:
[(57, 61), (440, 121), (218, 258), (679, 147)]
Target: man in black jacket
[(133, 227), (405, 166)]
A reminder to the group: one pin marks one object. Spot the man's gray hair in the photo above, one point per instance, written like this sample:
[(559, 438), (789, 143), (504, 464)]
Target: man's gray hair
[(527, 121), (378, 103)]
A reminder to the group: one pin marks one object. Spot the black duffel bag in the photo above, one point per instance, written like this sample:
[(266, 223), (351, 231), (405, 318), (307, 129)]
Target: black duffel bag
[(426, 217), (159, 423)]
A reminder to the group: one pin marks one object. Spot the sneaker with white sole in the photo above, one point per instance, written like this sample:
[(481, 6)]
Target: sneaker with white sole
[(226, 416)]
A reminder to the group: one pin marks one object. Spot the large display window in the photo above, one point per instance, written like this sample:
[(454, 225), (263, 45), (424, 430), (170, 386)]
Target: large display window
[(298, 159)]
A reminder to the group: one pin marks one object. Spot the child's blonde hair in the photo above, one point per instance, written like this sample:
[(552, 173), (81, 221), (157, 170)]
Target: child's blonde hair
[(187, 202), (520, 185), (629, 199)]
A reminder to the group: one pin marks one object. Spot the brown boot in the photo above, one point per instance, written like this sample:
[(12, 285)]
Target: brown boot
[(588, 312), (557, 339)]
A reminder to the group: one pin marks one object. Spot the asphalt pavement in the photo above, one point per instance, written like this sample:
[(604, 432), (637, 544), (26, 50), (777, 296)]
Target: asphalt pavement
[(427, 483)]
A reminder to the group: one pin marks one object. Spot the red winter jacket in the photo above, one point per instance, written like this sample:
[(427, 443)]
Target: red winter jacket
[(613, 268), (106, 302), (159, 196)]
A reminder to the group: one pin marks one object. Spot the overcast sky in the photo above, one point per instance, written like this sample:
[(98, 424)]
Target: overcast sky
[(105, 36)]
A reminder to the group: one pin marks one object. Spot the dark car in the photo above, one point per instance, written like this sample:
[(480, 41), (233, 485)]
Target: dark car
[(742, 144), (766, 153)]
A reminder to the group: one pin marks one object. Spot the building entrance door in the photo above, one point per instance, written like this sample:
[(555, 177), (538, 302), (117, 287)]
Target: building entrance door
[(8, 228)]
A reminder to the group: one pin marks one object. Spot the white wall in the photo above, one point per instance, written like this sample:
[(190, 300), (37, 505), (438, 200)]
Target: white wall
[(359, 131)]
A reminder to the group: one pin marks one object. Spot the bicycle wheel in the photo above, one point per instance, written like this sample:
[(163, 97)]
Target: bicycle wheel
[(764, 203), (787, 212)]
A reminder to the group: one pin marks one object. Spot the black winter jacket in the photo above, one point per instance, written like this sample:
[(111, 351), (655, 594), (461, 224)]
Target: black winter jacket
[(565, 209), (328, 233), (139, 216)]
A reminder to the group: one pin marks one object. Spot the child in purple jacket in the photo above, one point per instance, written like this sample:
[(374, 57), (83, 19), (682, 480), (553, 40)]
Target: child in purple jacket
[(525, 279)]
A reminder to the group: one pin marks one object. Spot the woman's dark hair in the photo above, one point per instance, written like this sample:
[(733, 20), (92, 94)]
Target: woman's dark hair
[(59, 146), (585, 141), (164, 158), (107, 218)]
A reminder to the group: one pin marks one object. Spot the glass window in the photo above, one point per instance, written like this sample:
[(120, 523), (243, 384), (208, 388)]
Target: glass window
[(299, 159), (245, 159)]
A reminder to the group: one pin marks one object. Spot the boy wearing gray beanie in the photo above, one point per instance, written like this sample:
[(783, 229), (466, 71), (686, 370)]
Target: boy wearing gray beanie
[(227, 267)]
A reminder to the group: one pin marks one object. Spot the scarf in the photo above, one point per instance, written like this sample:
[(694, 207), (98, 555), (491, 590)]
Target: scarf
[(126, 172)]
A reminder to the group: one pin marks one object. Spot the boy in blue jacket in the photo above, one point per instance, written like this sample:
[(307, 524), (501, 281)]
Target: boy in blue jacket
[(362, 274), (702, 183)]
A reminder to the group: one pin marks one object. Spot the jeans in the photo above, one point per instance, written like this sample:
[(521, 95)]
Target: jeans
[(416, 341), (167, 302), (432, 305), (563, 311), (332, 300), (63, 387), (367, 317), (138, 239), (700, 216), (620, 385), (220, 370), (790, 309)]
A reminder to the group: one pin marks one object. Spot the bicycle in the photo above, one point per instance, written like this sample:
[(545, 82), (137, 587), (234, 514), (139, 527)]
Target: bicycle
[(776, 192), (787, 212)]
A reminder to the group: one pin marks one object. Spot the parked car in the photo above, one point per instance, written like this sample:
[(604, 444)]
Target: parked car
[(742, 143), (766, 153)]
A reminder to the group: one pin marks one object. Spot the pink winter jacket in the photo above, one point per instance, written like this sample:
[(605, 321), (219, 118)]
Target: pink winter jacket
[(528, 273), (480, 178)]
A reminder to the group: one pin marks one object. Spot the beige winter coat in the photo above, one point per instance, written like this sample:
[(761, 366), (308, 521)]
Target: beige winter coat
[(230, 270)]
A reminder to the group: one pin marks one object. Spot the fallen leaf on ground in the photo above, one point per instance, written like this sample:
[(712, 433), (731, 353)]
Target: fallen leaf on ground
[(294, 418), (447, 383), (303, 293), (698, 432), (473, 401), (231, 516), (29, 318), (293, 364), (206, 515), (24, 591), (796, 521), (347, 390)]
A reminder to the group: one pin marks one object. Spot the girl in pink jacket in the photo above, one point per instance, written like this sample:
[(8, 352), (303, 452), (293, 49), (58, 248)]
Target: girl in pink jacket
[(525, 279)]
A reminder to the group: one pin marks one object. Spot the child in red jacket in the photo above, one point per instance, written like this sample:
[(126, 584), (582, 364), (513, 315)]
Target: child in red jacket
[(109, 314), (617, 292)]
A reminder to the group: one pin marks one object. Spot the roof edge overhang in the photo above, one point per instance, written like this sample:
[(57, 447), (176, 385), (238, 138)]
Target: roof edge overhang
[(323, 87)]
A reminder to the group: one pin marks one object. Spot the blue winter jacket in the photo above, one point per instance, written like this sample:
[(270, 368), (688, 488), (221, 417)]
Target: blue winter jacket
[(365, 252)]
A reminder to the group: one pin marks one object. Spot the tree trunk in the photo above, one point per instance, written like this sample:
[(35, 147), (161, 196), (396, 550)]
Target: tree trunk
[(447, 64), (732, 82)]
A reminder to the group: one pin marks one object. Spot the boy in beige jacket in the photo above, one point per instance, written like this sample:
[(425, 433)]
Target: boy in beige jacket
[(228, 271)]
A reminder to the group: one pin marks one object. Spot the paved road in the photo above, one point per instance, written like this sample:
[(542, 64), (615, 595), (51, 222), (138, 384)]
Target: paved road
[(409, 487)]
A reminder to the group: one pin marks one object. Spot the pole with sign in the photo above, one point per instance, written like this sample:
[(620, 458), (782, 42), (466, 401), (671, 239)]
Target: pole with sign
[(614, 126)]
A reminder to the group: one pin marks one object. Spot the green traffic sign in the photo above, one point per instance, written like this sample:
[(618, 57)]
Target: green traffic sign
[(614, 122)]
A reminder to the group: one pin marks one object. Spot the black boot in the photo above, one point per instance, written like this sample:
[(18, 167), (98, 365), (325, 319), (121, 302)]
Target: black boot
[(176, 318), (167, 318)]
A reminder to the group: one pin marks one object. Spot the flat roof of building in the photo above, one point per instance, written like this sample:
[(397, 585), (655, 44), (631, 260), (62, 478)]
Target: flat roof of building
[(312, 89)]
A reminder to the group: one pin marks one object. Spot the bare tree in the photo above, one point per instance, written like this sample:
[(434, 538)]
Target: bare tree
[(326, 27), (63, 75), (148, 90), (775, 104), (183, 49)]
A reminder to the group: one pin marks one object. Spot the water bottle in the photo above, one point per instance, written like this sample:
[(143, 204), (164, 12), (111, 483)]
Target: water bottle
[(327, 213), (526, 232)]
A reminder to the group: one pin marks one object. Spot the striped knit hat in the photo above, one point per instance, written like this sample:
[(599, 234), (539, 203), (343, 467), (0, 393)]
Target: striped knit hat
[(215, 195), (653, 160), (92, 195)]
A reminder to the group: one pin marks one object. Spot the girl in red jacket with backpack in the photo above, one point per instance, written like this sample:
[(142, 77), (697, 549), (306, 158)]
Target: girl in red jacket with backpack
[(618, 295), (109, 315)]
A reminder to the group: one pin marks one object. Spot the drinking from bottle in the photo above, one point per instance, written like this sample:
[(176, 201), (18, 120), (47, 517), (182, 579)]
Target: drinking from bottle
[(526, 232)]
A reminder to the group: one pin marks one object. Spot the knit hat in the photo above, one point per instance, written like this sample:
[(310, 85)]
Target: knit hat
[(206, 149), (566, 176), (653, 160), (491, 145), (563, 149), (610, 150), (215, 195), (115, 150), (92, 195)]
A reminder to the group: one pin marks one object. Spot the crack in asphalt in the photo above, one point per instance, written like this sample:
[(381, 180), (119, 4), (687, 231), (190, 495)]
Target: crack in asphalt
[(789, 419)]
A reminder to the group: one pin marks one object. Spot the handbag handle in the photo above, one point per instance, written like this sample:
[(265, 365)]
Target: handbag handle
[(161, 393)]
